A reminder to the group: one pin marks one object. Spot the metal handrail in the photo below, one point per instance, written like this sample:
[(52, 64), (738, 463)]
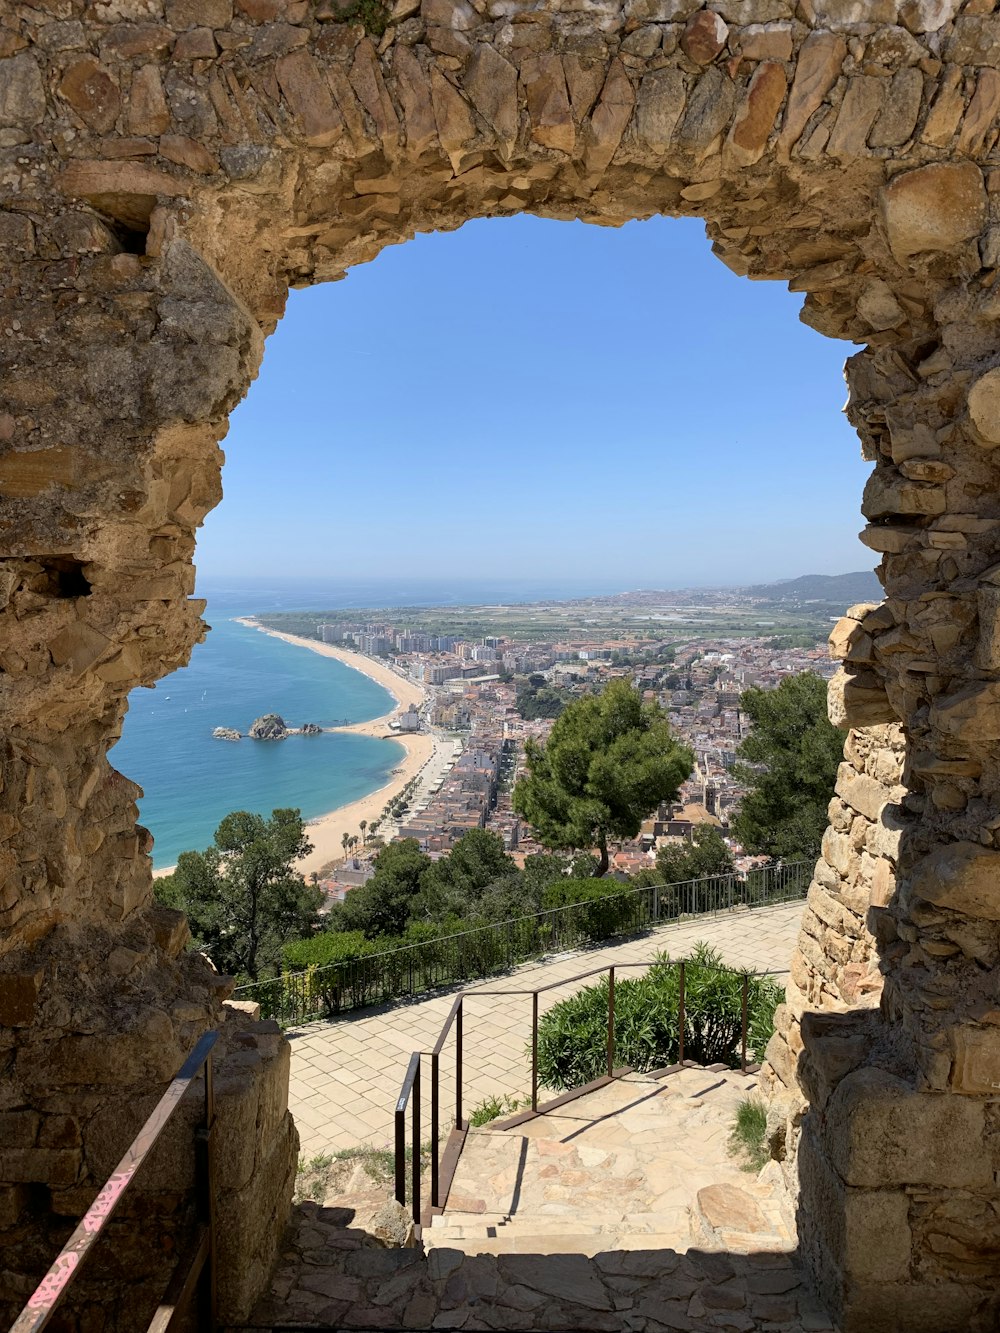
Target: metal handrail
[(344, 973), (199, 1271), (410, 1091)]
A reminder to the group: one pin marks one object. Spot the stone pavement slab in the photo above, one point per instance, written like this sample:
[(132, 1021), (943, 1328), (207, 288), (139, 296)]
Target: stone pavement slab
[(374, 1045)]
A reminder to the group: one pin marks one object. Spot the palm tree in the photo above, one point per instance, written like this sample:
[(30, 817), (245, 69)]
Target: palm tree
[(354, 843), (364, 825), (345, 842)]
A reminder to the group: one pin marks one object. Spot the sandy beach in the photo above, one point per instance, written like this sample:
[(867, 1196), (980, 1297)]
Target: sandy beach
[(325, 833)]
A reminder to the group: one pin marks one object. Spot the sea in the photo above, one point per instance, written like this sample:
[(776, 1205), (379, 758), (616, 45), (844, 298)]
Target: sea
[(191, 780)]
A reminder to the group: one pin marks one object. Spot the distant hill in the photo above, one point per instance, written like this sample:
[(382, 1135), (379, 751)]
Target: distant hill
[(838, 589)]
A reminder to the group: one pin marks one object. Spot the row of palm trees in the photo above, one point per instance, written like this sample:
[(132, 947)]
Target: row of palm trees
[(395, 807)]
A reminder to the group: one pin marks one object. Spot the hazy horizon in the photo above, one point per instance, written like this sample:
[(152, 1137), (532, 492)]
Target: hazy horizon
[(524, 399)]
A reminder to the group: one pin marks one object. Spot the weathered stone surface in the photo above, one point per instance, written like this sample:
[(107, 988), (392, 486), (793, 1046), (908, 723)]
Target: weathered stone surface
[(984, 407), (975, 1060), (660, 103), (308, 95), (898, 117), (548, 102), (975, 40), (934, 208), (92, 93), (963, 876), (887, 1134), (730, 1208), (820, 59), (704, 36), (491, 85), (757, 113), (971, 713), (709, 110), (22, 93), (147, 111), (862, 103)]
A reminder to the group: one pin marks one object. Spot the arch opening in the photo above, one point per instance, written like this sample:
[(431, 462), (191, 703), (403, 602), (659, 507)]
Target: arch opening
[(273, 146)]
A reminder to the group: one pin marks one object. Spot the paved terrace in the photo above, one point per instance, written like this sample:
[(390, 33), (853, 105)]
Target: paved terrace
[(346, 1074)]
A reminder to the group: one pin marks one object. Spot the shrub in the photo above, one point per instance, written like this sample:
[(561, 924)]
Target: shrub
[(605, 907), (572, 1036), (326, 948)]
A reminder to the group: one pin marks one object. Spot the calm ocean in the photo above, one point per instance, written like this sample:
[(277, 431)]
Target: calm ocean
[(191, 781)]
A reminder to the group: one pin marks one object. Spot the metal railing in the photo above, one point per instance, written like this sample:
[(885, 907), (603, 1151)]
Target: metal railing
[(483, 951), (196, 1272), (409, 1099)]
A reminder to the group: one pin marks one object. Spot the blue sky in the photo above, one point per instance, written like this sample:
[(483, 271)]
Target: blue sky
[(543, 400)]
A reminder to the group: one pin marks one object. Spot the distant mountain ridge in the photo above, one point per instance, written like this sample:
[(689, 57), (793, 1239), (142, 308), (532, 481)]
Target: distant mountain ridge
[(843, 589)]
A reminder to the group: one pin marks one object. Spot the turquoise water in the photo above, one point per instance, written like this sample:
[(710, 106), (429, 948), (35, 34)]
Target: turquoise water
[(191, 781)]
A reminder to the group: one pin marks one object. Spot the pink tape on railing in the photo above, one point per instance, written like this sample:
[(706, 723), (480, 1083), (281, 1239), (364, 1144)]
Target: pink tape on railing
[(106, 1200), (48, 1290)]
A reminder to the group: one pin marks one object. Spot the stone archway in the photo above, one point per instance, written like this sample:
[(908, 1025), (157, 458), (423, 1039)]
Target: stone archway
[(169, 169)]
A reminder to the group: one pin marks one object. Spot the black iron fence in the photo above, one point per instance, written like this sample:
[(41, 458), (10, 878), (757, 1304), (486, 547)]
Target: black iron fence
[(409, 970), (409, 1101)]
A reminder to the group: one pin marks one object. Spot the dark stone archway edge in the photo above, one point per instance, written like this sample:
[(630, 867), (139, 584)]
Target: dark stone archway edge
[(168, 169)]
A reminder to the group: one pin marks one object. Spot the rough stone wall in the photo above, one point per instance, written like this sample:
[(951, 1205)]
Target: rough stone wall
[(168, 168)]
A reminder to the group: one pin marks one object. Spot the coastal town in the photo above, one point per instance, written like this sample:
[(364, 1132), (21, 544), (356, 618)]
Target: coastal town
[(466, 707)]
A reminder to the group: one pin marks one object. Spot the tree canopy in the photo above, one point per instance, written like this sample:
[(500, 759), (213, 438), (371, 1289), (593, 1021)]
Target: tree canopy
[(676, 863), (788, 765), (609, 761), (243, 898)]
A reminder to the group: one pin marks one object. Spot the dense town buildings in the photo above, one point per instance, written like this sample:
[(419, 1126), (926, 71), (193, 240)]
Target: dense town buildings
[(473, 695)]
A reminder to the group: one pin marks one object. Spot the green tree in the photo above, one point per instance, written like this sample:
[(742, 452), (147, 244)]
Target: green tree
[(243, 898), (382, 905), (788, 765), (707, 854), (609, 760)]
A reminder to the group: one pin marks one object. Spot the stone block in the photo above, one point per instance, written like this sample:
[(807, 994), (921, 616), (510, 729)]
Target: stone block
[(757, 113), (934, 208), (55, 1167), (170, 930), (984, 408), (858, 699), (250, 1225), (963, 876), (19, 1129), (308, 95), (704, 36), (970, 714), (881, 1133), (861, 792), (821, 58), (93, 94), (913, 1306), (833, 1046), (22, 92), (975, 1065)]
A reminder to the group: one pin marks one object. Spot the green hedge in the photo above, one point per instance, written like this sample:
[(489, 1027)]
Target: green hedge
[(328, 947), (611, 904), (572, 1036)]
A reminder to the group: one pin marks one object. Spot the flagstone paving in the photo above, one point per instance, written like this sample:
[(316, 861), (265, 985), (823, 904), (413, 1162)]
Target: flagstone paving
[(622, 1212), (346, 1074), (640, 1157)]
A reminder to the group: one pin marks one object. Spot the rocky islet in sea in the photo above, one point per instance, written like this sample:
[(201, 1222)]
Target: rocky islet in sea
[(268, 727)]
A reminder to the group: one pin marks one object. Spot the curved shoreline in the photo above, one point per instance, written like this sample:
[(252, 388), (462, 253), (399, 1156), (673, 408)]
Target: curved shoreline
[(325, 831)]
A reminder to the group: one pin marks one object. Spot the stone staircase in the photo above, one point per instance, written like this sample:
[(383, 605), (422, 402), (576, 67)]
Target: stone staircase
[(641, 1163), (622, 1212)]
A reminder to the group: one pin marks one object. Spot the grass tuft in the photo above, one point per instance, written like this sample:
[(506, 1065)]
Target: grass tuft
[(748, 1137), (492, 1108)]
